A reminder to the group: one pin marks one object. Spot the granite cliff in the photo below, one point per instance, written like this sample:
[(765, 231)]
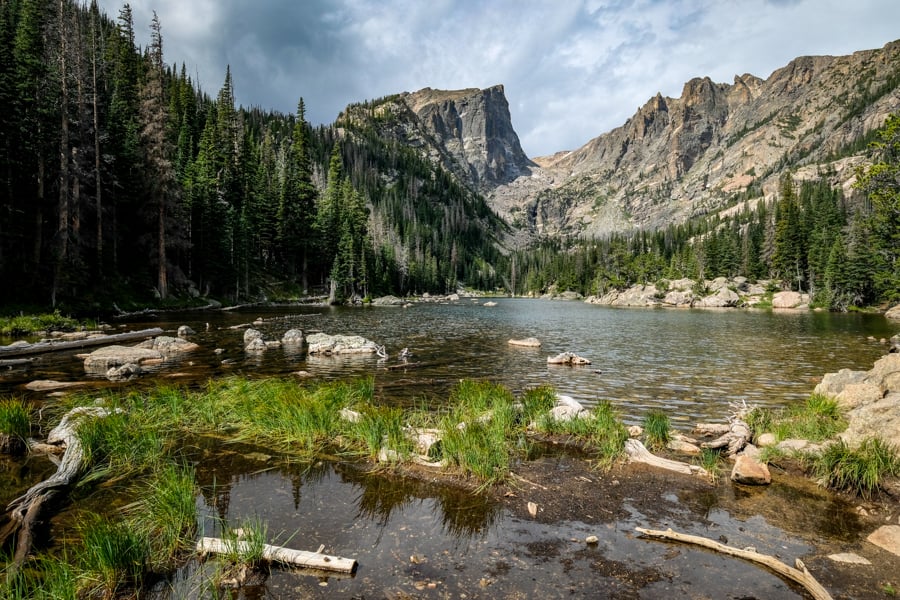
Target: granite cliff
[(675, 158)]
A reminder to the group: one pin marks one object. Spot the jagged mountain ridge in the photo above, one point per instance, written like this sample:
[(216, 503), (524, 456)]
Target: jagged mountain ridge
[(674, 159)]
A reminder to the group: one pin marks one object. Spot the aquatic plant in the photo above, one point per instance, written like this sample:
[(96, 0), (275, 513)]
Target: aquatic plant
[(709, 459), (15, 425), (113, 556), (601, 430), (121, 444), (657, 430), (245, 543), (377, 428), (166, 512), (861, 470)]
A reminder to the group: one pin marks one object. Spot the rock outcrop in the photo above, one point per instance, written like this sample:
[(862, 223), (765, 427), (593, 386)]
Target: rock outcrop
[(323, 343), (872, 397)]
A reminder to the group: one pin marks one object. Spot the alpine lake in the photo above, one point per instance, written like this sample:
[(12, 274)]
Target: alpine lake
[(418, 538)]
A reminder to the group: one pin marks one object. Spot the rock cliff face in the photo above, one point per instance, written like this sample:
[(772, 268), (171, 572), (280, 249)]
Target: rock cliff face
[(676, 158), (681, 157), (468, 131)]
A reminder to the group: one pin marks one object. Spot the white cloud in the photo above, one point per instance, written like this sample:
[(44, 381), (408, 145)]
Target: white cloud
[(572, 70)]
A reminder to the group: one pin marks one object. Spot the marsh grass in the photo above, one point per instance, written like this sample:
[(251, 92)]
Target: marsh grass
[(657, 430), (710, 460), (22, 325), (861, 470), (121, 444), (601, 430), (379, 427), (166, 512), (114, 556), (44, 578), (15, 425), (245, 543), (817, 419)]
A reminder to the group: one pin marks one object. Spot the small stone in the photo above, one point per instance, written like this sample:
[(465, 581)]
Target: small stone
[(749, 471), (766, 440), (532, 509), (635, 431), (184, 331), (849, 558), (591, 539)]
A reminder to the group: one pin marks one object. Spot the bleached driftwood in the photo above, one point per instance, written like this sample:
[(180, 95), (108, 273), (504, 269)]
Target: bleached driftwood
[(637, 452), (799, 575), (100, 340), (737, 436), (298, 558), (24, 511), (711, 428)]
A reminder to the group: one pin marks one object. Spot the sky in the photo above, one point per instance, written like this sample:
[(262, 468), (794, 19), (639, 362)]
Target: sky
[(572, 69)]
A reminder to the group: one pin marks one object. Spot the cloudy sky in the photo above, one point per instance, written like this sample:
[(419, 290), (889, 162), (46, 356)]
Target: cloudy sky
[(572, 69)]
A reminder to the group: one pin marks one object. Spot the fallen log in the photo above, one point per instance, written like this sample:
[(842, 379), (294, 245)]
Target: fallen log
[(102, 340), (299, 558), (637, 452), (799, 575), (23, 512)]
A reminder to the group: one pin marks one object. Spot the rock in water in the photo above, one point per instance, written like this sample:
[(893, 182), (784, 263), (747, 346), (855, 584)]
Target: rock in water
[(748, 471), (323, 343), (292, 336)]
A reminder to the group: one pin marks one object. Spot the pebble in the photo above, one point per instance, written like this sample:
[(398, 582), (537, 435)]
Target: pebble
[(591, 539)]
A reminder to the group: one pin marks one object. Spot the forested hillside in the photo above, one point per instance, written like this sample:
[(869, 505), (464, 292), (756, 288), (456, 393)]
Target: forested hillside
[(123, 181)]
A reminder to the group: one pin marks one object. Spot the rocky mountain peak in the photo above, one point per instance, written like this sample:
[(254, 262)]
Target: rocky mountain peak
[(474, 127)]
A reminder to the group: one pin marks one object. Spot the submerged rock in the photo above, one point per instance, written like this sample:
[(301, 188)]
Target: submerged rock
[(887, 537), (126, 372), (184, 331), (292, 337), (168, 345)]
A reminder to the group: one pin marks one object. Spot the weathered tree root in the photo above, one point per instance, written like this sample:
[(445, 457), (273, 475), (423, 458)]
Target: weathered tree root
[(799, 575), (24, 512)]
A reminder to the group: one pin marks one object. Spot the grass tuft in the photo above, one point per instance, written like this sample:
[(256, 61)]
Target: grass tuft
[(15, 425), (657, 429), (601, 430), (860, 471), (114, 556)]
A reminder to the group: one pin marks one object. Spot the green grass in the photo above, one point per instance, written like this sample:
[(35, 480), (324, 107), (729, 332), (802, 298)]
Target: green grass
[(15, 418), (817, 419), (245, 543), (657, 430), (23, 325), (377, 428), (114, 556), (861, 470), (166, 511), (602, 431), (709, 459)]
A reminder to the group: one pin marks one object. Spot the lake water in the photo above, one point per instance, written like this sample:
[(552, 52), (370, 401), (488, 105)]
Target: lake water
[(691, 363), (419, 539)]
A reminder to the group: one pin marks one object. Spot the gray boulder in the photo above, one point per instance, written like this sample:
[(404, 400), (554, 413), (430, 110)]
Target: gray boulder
[(323, 343), (723, 298), (103, 359), (252, 334), (168, 345), (292, 337), (185, 331), (833, 384), (126, 372), (893, 313)]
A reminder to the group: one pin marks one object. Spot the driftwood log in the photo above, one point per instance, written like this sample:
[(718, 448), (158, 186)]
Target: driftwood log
[(297, 558), (637, 452), (100, 340), (734, 439), (799, 575), (24, 512)]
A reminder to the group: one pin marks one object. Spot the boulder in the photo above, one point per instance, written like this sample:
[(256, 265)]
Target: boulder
[(789, 300), (168, 345), (292, 337), (833, 384), (893, 313), (679, 298), (185, 331), (876, 419), (855, 394), (717, 284), (749, 471), (49, 385), (683, 447), (252, 334), (564, 412), (567, 358), (723, 298), (793, 445), (388, 301), (256, 345), (886, 373), (527, 343), (323, 343), (103, 359), (126, 372)]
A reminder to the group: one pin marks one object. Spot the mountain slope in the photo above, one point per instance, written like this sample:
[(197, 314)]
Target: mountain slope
[(682, 157)]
